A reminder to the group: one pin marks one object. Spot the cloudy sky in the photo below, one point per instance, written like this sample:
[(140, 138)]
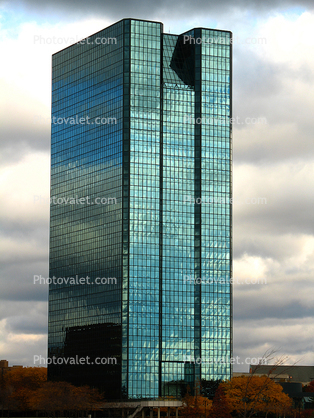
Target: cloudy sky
[(273, 101)]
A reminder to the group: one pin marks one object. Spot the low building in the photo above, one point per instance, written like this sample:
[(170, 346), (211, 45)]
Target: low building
[(291, 378), (285, 373), (4, 367)]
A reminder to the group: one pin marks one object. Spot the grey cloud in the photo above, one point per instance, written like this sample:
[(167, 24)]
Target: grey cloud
[(32, 324), (274, 229), (23, 280), (150, 9), (22, 251), (253, 79), (23, 331), (277, 334), (282, 217), (264, 244), (17, 279), (278, 113), (267, 305), (32, 350), (11, 309), (38, 229), (25, 124), (19, 140)]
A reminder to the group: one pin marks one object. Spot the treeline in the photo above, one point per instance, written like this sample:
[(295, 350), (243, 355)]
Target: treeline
[(244, 396), (27, 389)]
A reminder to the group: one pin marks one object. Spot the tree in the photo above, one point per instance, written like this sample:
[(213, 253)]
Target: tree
[(307, 413), (249, 405), (249, 395), (220, 407), (89, 399), (19, 385), (62, 396), (309, 387), (209, 387), (190, 409), (195, 406)]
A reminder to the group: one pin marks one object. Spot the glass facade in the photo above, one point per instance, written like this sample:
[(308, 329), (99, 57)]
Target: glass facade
[(85, 239), (161, 161)]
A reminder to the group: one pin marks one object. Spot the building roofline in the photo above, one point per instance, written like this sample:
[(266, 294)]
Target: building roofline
[(140, 20), (201, 27), (107, 27)]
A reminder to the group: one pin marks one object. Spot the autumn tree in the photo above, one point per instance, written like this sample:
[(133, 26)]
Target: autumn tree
[(195, 406), (220, 407), (20, 384), (307, 413), (89, 399), (62, 396), (310, 390), (205, 405), (190, 407), (309, 387), (209, 387), (249, 395)]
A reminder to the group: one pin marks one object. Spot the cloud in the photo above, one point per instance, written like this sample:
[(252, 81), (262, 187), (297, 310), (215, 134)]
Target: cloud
[(25, 82), (273, 159), (274, 334), (23, 335), (274, 84), (273, 199), (21, 203), (150, 10), (35, 323), (24, 227)]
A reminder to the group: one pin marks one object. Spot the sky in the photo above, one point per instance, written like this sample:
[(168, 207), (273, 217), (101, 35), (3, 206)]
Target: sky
[(273, 162)]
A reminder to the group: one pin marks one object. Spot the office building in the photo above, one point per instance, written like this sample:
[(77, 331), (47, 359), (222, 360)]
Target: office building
[(141, 182)]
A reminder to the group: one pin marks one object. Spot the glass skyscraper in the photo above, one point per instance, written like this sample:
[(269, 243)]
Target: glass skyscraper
[(141, 182)]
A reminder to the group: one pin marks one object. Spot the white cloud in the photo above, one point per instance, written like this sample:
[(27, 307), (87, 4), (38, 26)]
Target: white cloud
[(289, 41), (28, 56), (26, 202), (15, 345)]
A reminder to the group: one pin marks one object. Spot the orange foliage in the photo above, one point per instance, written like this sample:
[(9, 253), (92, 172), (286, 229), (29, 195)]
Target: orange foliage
[(220, 407), (62, 396), (19, 385), (249, 395), (195, 406), (26, 388)]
